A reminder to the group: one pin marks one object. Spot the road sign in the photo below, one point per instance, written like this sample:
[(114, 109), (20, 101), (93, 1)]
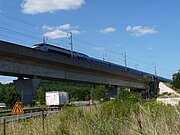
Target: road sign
[(17, 109)]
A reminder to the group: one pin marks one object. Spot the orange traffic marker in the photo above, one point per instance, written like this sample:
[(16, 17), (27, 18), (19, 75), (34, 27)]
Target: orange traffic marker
[(17, 109)]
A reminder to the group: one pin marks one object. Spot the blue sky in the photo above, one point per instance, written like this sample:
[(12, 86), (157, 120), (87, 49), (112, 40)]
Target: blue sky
[(147, 31)]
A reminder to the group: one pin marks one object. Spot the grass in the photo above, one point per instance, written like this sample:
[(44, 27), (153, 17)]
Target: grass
[(123, 116)]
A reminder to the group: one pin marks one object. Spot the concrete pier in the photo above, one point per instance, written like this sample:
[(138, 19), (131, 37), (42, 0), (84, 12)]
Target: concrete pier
[(113, 91), (27, 89)]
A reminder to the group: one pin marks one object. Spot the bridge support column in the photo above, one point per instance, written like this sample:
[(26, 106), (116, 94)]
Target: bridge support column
[(27, 89), (113, 91)]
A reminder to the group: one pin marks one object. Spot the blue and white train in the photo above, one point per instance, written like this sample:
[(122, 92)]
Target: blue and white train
[(54, 49), (77, 55)]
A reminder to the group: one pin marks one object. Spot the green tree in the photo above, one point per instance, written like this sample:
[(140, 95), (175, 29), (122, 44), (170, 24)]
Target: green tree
[(8, 94), (2, 93), (11, 98), (99, 92), (176, 80)]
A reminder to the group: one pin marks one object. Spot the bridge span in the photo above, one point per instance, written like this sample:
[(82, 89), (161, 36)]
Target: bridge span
[(26, 62)]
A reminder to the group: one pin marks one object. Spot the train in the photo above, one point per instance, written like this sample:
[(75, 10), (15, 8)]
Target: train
[(84, 57), (58, 50)]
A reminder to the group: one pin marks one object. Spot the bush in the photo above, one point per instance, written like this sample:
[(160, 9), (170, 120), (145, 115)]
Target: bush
[(176, 80)]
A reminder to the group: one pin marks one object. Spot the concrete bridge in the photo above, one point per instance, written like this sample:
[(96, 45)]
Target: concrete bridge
[(24, 62)]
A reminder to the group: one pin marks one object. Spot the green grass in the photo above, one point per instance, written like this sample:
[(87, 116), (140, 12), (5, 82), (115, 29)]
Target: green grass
[(127, 115)]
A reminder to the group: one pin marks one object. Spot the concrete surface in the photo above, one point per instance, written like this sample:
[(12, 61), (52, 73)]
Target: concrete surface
[(173, 98)]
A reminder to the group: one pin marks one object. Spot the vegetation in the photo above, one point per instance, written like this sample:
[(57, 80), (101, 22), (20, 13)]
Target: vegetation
[(176, 80), (9, 94), (77, 92), (126, 115)]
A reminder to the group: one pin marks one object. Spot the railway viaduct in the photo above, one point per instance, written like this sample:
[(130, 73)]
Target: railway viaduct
[(24, 62)]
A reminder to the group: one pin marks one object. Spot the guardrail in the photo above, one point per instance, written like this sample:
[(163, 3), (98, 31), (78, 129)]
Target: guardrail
[(15, 118), (26, 110)]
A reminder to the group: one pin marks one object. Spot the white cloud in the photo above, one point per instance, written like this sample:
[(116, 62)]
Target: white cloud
[(60, 31), (55, 34), (119, 45), (43, 6), (99, 48), (61, 27), (47, 27), (108, 30), (139, 31), (65, 27), (75, 31)]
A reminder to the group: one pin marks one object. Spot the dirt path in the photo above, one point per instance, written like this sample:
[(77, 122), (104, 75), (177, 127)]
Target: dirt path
[(171, 97)]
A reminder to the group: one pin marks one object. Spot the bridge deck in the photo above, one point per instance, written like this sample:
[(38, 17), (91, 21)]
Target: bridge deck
[(17, 60)]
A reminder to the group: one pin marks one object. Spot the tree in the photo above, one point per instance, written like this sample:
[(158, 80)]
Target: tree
[(8, 94), (99, 92), (176, 80)]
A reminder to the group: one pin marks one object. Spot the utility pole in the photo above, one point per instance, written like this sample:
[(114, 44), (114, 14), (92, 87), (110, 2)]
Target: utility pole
[(136, 66), (104, 55), (44, 40), (125, 60), (70, 37), (155, 69)]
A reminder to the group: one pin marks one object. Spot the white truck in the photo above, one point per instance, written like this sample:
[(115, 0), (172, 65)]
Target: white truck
[(57, 98)]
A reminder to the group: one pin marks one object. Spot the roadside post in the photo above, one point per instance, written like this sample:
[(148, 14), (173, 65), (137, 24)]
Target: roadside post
[(43, 121), (4, 126)]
